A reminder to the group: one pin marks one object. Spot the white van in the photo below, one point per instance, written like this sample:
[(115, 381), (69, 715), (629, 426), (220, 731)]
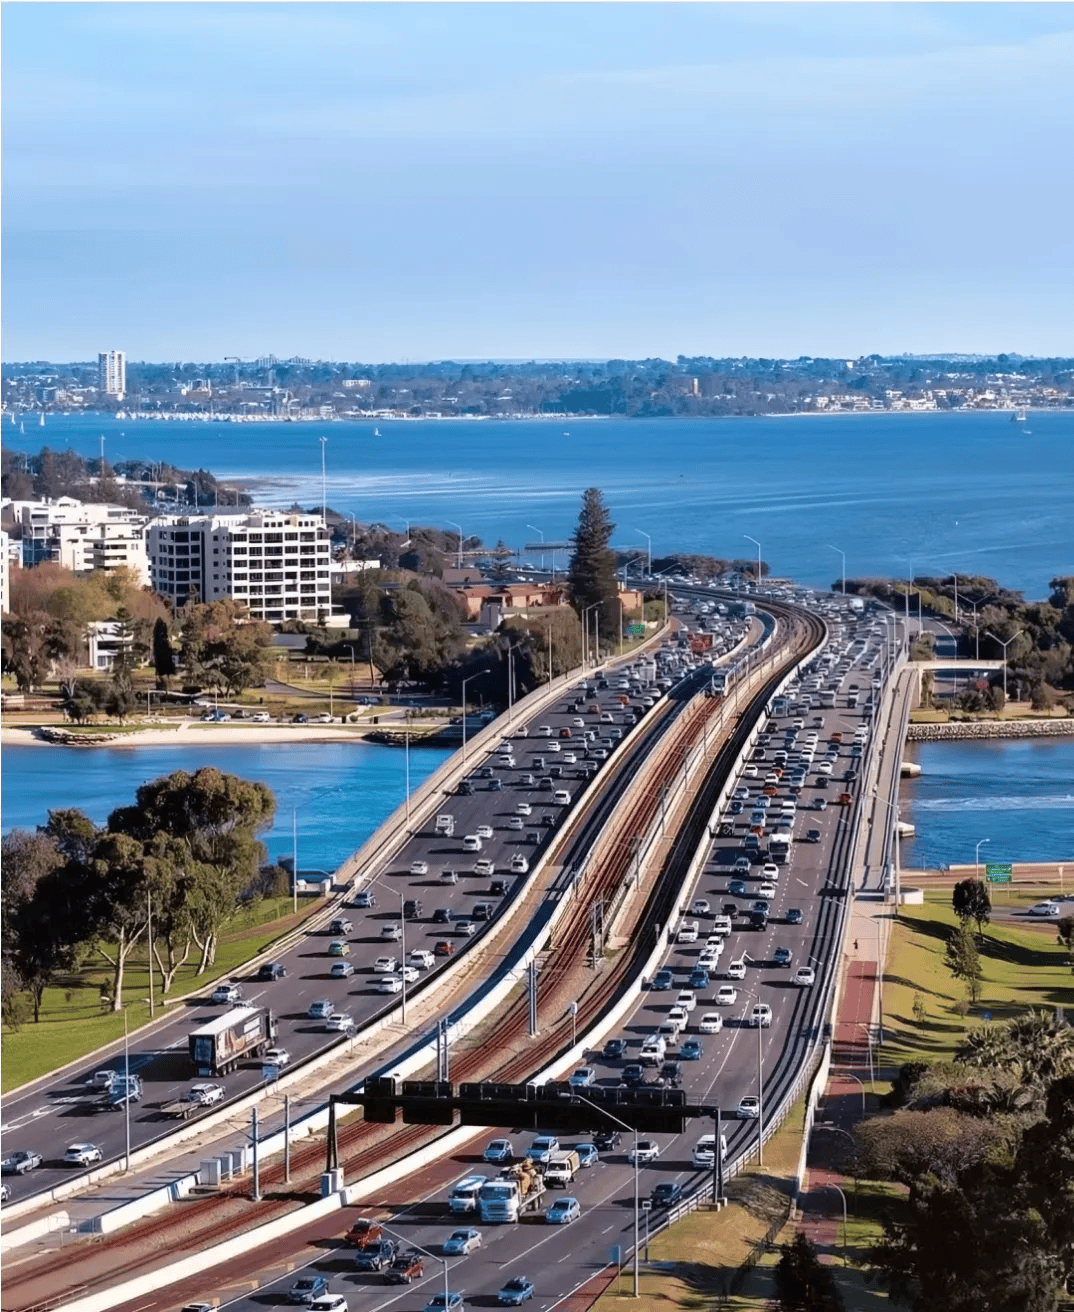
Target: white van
[(463, 1198), (471, 843), (704, 1154), (561, 797), (445, 824), (652, 1050)]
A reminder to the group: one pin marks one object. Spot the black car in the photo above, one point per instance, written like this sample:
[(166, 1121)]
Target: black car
[(272, 970), (730, 909), (606, 1140), (813, 836), (300, 718), (666, 1194), (376, 1258), (633, 1075), (671, 1074), (411, 909), (498, 888), (614, 1049), (782, 956), (441, 916), (465, 788), (794, 916)]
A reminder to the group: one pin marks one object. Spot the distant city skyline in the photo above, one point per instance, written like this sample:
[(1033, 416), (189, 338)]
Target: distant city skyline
[(558, 182)]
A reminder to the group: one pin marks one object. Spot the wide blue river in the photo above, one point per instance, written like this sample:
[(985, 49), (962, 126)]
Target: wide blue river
[(338, 792), (972, 493), (944, 492)]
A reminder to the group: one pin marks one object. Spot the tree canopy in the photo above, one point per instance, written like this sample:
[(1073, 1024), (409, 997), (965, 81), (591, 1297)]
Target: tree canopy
[(591, 577)]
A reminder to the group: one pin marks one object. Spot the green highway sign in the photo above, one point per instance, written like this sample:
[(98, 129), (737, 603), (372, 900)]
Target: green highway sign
[(999, 872)]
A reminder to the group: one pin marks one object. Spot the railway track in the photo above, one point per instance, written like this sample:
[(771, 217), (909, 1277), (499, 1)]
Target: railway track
[(365, 1147)]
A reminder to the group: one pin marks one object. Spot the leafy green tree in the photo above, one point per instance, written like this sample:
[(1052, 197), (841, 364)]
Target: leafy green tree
[(963, 960), (591, 577), (1065, 936), (211, 821), (970, 901), (163, 656), (803, 1282), (223, 648), (1034, 1048)]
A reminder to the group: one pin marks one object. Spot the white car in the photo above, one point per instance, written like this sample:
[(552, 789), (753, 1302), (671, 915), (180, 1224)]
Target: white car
[(484, 831), (328, 1303), (419, 867), (726, 995), (390, 984), (761, 1015), (805, 975), (679, 1017), (767, 890), (711, 1023), (544, 731), (276, 1057), (421, 958), (339, 1023), (82, 1154), (516, 823), (205, 1095), (750, 1107), (687, 999), (391, 930), (341, 970), (688, 932), (770, 871), (519, 864), (646, 1150), (384, 965), (700, 907), (1049, 909), (524, 808), (736, 969)]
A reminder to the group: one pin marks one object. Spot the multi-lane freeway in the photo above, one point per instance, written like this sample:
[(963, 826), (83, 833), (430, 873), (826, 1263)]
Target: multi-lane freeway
[(717, 1053)]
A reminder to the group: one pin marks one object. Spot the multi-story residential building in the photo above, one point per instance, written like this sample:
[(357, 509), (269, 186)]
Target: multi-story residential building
[(80, 536), (112, 367), (277, 563), (5, 574)]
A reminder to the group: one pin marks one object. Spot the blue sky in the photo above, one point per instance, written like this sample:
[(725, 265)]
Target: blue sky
[(378, 182)]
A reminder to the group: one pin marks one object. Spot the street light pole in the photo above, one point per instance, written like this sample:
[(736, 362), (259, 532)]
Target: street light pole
[(126, 1091), (649, 540), (844, 1198), (585, 632), (375, 879), (758, 546), (977, 858), (324, 487), (1005, 645), (469, 678), (577, 1097), (458, 560), (844, 555)]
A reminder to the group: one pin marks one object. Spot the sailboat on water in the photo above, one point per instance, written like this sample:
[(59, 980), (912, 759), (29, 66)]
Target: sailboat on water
[(1019, 418), (376, 432), (42, 423)]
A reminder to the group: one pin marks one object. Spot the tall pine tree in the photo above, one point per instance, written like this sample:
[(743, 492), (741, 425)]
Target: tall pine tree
[(591, 576)]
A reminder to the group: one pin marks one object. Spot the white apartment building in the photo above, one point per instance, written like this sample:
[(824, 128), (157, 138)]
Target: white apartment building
[(5, 574), (112, 370), (80, 536), (278, 564)]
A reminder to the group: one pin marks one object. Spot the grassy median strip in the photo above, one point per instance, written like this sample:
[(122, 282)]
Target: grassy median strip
[(74, 1022)]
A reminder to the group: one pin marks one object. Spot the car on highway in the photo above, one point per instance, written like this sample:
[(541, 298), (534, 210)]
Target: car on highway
[(339, 1023), (587, 1154), (645, 1151), (606, 1141), (737, 888), (442, 1302), (390, 984), (341, 970), (582, 1078), (711, 1023), (766, 890), (633, 1075), (519, 864), (666, 1194), (306, 1288), (515, 1292), (365, 899), (749, 1108), (614, 1049), (678, 1017), (793, 916), (405, 1268), (19, 1162), (699, 978), (762, 905), (272, 970), (341, 925), (461, 1242), (691, 1050), (563, 1211), (516, 824), (726, 995), (686, 999), (339, 947), (300, 718), (805, 975), (484, 832), (82, 1154), (700, 906), (761, 1015), (444, 948), (421, 958), (735, 970), (782, 956), (205, 1095), (499, 1150), (226, 993), (1045, 909), (376, 1257), (392, 931), (385, 965), (663, 979), (276, 1057), (419, 867)]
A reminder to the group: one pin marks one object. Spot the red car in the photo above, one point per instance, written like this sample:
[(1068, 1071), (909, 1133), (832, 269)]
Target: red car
[(444, 948)]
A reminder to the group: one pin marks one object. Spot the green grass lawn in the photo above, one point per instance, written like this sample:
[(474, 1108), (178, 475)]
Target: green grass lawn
[(72, 1021)]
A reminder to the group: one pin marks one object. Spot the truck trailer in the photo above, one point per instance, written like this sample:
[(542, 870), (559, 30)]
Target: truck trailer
[(218, 1047), (518, 1189)]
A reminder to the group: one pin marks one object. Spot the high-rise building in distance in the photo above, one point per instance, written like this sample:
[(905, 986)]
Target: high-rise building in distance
[(113, 373)]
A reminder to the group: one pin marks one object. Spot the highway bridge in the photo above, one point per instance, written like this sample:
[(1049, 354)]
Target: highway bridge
[(649, 831)]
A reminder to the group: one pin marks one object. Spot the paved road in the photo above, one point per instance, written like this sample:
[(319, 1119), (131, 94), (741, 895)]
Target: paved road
[(50, 1116)]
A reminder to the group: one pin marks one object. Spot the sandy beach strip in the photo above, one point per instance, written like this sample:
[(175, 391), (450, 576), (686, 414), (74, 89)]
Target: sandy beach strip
[(191, 732)]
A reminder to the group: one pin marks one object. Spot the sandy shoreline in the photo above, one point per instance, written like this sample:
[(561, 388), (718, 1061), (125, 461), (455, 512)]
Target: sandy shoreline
[(189, 733)]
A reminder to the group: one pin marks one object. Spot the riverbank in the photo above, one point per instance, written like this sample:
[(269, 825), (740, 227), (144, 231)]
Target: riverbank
[(186, 733), (955, 730)]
